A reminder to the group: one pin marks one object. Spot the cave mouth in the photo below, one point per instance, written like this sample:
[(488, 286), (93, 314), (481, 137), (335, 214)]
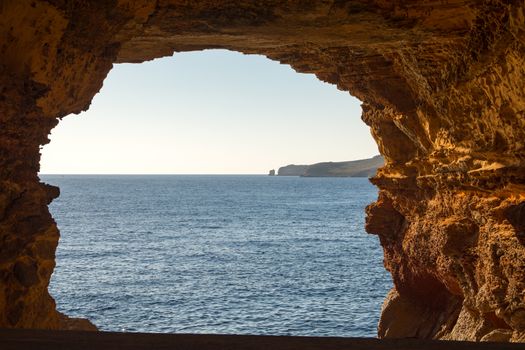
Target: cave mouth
[(442, 91), (212, 254)]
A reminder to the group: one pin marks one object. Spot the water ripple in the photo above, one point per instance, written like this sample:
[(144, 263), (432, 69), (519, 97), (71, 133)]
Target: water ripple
[(218, 254)]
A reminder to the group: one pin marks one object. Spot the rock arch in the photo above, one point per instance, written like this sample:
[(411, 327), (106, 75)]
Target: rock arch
[(442, 89)]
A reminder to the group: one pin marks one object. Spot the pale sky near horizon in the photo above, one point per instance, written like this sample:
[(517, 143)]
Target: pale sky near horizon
[(208, 112)]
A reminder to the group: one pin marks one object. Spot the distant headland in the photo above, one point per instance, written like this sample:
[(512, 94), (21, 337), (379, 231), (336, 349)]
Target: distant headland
[(355, 168)]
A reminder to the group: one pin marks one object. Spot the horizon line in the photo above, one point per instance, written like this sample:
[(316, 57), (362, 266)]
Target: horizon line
[(267, 173), (120, 174)]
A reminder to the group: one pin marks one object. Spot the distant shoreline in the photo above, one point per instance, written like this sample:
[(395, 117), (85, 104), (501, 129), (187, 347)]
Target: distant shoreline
[(152, 174), (136, 175), (355, 168)]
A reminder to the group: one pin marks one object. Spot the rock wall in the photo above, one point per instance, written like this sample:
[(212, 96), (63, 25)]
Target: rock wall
[(442, 85)]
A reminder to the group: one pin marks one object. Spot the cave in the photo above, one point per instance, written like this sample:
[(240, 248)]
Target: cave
[(442, 90)]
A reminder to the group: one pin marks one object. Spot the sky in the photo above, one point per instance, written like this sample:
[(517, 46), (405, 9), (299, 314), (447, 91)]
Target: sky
[(208, 112)]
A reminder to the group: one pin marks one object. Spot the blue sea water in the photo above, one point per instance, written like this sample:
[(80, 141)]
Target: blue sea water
[(218, 254)]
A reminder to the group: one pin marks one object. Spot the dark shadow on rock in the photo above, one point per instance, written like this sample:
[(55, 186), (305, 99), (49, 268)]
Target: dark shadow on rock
[(516, 216)]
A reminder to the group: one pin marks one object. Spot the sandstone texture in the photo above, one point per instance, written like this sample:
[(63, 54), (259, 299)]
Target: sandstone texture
[(442, 84)]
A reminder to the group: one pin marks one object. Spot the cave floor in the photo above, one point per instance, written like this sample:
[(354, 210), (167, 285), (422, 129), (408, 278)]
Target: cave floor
[(17, 339)]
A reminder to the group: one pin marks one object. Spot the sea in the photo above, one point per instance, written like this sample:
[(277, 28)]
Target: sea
[(221, 254)]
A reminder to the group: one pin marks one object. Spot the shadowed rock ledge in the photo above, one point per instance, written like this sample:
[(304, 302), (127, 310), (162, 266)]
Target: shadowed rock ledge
[(442, 85)]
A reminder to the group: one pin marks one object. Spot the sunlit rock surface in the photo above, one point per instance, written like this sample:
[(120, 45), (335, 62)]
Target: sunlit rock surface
[(442, 85)]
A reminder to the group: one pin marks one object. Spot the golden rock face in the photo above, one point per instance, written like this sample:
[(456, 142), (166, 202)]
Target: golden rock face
[(442, 85)]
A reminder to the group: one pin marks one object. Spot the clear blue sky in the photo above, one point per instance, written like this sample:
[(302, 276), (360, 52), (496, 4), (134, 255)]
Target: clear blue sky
[(208, 112)]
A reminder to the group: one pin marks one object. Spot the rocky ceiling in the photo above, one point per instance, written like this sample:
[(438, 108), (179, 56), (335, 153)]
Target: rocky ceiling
[(442, 85)]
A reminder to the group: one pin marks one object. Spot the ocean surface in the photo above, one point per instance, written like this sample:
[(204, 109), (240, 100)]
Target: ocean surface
[(218, 254)]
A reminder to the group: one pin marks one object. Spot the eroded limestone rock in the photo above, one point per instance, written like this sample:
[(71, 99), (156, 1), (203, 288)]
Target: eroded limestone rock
[(442, 85)]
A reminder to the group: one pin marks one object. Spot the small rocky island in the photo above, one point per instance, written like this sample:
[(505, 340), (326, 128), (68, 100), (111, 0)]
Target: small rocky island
[(355, 168)]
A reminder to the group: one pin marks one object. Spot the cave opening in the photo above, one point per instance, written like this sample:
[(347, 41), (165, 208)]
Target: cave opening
[(442, 90), (147, 250)]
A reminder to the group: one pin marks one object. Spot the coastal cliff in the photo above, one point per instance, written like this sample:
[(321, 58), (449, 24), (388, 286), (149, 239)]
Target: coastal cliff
[(442, 86), (354, 168), (292, 170)]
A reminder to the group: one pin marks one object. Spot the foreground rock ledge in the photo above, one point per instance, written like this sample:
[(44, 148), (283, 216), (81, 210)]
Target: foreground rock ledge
[(442, 85), (23, 339)]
